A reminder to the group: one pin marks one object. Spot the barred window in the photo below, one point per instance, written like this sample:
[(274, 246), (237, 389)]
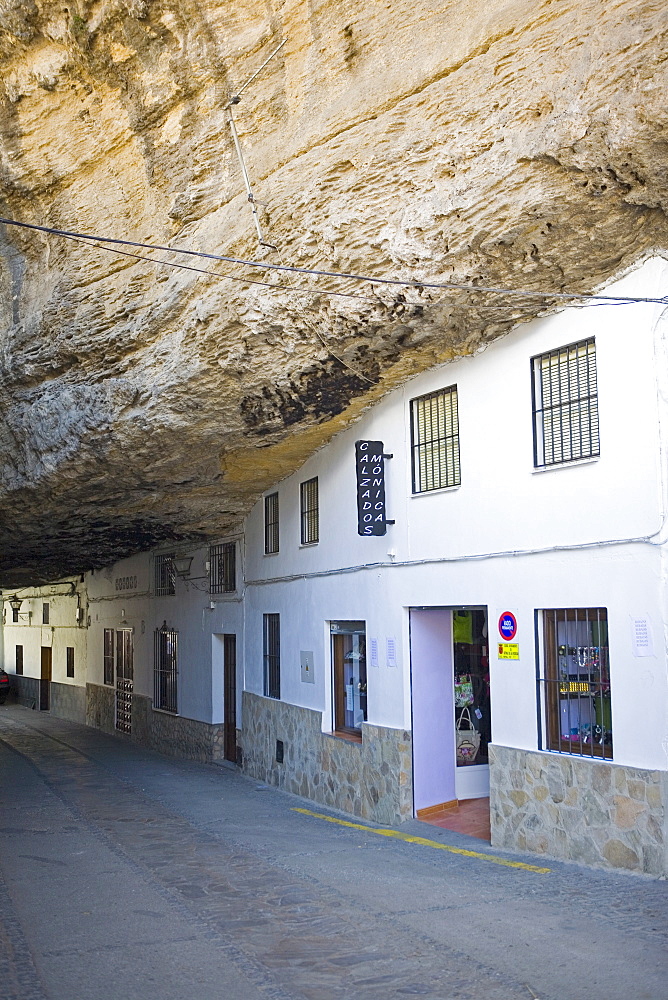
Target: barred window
[(565, 404), (435, 440), (165, 669), (271, 524), (19, 660), (69, 653), (165, 576), (576, 682), (310, 513), (108, 657), (272, 656), (223, 568)]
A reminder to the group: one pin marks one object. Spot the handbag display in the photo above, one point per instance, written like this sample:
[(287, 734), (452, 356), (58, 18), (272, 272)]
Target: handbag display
[(463, 691), (468, 740)]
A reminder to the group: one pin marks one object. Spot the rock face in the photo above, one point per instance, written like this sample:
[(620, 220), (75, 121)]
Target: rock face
[(514, 143)]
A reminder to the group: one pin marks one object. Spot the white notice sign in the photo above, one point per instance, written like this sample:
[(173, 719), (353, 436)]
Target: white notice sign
[(374, 652), (391, 650), (641, 636)]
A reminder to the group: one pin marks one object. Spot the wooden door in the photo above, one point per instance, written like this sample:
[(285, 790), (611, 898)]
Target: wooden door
[(45, 679), (230, 693)]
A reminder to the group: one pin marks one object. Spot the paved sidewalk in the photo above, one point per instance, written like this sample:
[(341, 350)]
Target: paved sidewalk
[(127, 874)]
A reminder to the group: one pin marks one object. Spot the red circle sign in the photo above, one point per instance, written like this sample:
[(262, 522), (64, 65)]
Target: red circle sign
[(507, 626)]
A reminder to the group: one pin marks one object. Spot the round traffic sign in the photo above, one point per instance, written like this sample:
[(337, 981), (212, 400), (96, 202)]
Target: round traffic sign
[(507, 626)]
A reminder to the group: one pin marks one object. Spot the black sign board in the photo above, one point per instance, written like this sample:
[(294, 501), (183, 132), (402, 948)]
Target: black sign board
[(371, 514)]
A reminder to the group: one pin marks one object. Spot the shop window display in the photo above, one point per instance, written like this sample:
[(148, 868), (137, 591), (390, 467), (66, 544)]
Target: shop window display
[(576, 682)]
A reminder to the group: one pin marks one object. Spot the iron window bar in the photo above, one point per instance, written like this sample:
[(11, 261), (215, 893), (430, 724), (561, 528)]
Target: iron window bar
[(565, 404), (223, 568), (576, 682), (165, 674), (310, 513), (272, 655), (165, 575), (435, 441), (271, 537)]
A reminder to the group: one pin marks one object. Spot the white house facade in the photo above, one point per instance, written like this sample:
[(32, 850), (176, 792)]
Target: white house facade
[(463, 595)]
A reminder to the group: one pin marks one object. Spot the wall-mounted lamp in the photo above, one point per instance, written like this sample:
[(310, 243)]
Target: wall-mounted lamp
[(15, 603), (182, 565)]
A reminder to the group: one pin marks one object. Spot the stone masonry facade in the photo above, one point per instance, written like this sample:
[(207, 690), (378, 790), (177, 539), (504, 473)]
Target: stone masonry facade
[(591, 811), (371, 779), (171, 734)]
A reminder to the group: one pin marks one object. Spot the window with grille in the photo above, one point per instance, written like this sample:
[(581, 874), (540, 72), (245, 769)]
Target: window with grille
[(108, 656), (271, 524), (165, 669), (69, 654), (272, 656), (565, 404), (576, 682), (309, 507), (19, 661), (223, 568), (165, 576), (45, 614), (435, 441)]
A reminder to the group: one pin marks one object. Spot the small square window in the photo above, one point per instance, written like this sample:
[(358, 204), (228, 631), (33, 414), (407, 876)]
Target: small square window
[(310, 511), (271, 524)]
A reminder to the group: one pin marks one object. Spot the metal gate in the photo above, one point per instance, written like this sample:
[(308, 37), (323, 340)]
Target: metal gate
[(124, 679)]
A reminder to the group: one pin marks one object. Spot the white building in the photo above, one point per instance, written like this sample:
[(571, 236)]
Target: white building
[(45, 640), (520, 584)]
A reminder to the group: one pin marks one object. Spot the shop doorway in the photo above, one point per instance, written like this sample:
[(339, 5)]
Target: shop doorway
[(45, 679), (451, 707), (349, 677), (124, 679)]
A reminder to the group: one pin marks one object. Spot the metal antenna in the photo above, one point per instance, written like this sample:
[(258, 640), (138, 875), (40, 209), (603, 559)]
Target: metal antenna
[(236, 99)]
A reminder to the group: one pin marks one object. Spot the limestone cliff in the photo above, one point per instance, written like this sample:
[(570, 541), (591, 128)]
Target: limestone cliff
[(515, 143)]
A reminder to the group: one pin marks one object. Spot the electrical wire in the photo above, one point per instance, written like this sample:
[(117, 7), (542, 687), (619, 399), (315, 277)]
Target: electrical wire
[(292, 269)]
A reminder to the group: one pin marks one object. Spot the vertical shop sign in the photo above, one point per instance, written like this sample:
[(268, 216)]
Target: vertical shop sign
[(370, 464)]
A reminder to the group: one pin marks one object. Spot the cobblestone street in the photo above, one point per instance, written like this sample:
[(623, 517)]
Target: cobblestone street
[(127, 874)]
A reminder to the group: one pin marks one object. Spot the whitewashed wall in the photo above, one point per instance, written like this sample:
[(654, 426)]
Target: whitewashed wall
[(502, 506), (200, 688), (62, 631)]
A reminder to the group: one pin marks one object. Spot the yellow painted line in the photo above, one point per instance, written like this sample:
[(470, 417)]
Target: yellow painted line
[(427, 843)]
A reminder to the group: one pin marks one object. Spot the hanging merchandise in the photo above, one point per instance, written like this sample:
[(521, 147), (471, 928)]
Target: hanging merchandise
[(468, 740), (462, 627), (463, 691)]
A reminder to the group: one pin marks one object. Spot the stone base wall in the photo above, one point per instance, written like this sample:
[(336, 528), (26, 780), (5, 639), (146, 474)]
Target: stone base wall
[(101, 707), (590, 811), (25, 690), (68, 701), (371, 779), (171, 734)]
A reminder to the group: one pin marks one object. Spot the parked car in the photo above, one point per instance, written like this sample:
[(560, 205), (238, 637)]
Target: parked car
[(4, 686)]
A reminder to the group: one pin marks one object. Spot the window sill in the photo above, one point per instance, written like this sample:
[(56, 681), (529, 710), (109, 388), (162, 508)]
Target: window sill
[(308, 545), (346, 737), (566, 465), (164, 711), (431, 493)]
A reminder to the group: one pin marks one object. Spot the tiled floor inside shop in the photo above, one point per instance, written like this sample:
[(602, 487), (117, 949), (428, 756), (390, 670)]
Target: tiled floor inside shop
[(470, 816)]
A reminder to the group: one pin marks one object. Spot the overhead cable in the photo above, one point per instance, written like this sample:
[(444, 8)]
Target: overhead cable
[(371, 279)]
